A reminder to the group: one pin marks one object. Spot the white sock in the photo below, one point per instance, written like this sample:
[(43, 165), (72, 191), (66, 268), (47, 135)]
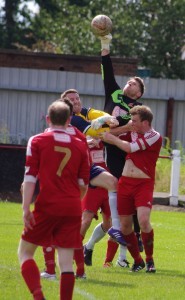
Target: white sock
[(96, 236), (114, 211), (122, 252)]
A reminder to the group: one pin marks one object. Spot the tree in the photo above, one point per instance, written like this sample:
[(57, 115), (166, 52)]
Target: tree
[(14, 25), (8, 24), (152, 31), (163, 37)]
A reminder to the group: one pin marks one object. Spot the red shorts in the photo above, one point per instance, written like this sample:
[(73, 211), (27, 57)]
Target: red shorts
[(94, 199), (133, 193), (63, 231)]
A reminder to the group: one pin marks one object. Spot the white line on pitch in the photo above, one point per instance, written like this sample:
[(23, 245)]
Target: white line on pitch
[(85, 294)]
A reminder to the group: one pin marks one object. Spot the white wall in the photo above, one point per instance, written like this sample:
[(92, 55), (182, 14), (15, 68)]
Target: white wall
[(26, 93)]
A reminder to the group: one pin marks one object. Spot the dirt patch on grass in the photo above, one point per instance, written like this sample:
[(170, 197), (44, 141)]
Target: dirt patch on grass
[(168, 208)]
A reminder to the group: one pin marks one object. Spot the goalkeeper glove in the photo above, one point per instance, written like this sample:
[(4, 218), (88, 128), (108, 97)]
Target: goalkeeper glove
[(97, 123), (105, 41)]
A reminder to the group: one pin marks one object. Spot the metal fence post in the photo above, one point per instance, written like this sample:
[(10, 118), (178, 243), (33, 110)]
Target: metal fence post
[(175, 176)]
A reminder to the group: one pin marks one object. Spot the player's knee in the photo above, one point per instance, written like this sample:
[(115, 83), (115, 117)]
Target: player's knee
[(106, 226), (25, 251), (144, 223), (112, 183), (86, 224), (20, 252), (87, 219), (126, 228), (22, 255)]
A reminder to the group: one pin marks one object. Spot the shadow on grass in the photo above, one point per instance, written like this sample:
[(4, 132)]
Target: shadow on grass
[(170, 273), (10, 224), (109, 283)]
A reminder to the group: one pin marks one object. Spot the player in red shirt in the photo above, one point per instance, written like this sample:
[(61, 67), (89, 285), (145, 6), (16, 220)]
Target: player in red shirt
[(61, 162), (136, 185), (98, 175), (95, 198)]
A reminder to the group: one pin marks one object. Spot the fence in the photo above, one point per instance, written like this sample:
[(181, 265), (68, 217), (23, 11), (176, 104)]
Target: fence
[(12, 160), (175, 176)]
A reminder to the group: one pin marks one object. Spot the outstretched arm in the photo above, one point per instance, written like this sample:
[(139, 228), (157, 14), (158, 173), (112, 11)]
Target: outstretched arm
[(110, 84), (85, 127), (111, 139), (105, 44), (121, 129)]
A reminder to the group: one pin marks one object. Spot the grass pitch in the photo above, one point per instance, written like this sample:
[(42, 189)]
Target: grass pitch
[(101, 284)]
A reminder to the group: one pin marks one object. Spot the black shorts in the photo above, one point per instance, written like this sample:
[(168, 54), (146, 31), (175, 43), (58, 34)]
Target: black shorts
[(115, 160), (96, 170)]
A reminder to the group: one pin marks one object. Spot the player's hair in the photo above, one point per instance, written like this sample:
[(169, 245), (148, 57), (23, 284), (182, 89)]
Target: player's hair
[(59, 113), (144, 112), (64, 94), (68, 102), (141, 85)]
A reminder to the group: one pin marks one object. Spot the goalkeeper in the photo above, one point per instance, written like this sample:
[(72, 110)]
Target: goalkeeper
[(118, 103)]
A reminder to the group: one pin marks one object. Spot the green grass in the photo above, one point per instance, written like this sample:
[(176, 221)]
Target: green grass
[(102, 284), (163, 174)]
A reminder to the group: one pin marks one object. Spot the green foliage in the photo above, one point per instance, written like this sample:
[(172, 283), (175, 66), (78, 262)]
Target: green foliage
[(51, 6), (101, 284), (163, 170), (167, 146), (152, 31), (14, 25), (165, 37)]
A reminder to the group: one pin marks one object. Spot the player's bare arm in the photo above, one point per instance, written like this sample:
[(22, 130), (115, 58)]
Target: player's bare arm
[(28, 191), (111, 139), (121, 129)]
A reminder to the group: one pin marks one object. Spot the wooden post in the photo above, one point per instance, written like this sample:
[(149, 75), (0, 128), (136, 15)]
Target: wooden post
[(169, 118)]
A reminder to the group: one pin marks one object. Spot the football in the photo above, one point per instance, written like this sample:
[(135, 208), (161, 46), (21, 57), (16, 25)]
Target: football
[(101, 25)]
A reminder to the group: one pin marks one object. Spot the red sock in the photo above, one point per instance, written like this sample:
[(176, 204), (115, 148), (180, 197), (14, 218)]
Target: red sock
[(49, 257), (132, 246), (112, 247), (79, 260), (31, 275), (67, 281), (148, 243)]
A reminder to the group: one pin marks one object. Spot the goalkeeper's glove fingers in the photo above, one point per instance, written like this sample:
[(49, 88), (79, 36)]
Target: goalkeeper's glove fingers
[(97, 123), (105, 41), (113, 122)]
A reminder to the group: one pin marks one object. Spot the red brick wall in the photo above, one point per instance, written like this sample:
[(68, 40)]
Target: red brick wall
[(73, 63)]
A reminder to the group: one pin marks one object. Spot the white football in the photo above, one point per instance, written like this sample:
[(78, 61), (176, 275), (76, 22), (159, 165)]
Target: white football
[(101, 25)]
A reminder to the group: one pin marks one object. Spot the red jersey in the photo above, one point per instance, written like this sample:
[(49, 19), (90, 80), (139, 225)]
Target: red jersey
[(145, 150), (97, 154), (61, 162), (72, 130)]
